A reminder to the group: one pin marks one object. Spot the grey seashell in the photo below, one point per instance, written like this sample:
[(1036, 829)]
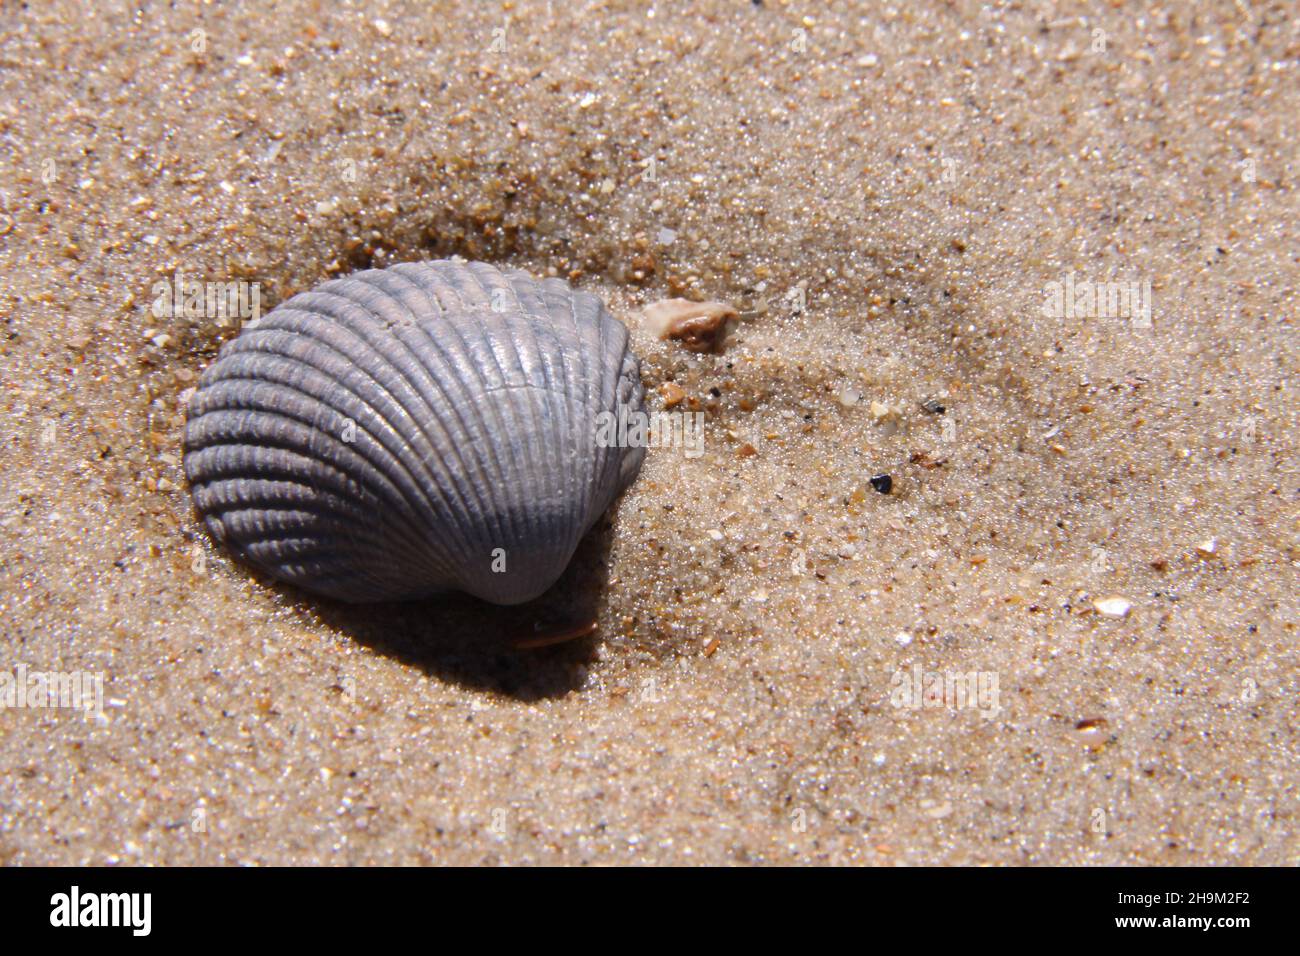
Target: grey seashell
[(401, 432)]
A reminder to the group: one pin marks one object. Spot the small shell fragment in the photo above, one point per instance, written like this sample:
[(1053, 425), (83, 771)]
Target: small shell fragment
[(882, 412), (1112, 606), (699, 326)]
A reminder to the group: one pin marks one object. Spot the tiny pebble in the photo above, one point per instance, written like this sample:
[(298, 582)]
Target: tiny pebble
[(673, 394), (935, 810), (1112, 606)]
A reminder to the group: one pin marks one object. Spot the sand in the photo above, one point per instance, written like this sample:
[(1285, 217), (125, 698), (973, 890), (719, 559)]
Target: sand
[(887, 194)]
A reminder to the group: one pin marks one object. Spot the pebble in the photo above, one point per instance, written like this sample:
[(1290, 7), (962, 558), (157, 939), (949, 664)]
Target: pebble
[(1112, 606), (1093, 731), (936, 810), (673, 394)]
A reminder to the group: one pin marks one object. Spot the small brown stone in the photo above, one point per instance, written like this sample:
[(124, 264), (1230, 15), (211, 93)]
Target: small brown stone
[(673, 394), (923, 459)]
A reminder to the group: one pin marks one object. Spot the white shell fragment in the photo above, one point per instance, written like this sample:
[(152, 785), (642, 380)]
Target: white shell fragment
[(699, 326), (402, 432), (1112, 606)]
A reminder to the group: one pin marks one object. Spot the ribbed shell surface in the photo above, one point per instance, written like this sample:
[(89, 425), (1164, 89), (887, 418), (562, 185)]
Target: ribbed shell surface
[(405, 431)]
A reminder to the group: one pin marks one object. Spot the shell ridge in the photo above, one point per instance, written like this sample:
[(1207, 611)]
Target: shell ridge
[(574, 410), (508, 328), (327, 390), (375, 305), (584, 436), (456, 363), (519, 523), (472, 297), (552, 358), (276, 500), (502, 525), (333, 393), (329, 476), (242, 411), (415, 375), (610, 458), (253, 529), (258, 530), (471, 290)]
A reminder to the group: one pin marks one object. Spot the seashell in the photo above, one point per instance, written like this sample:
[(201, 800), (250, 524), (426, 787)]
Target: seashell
[(406, 431)]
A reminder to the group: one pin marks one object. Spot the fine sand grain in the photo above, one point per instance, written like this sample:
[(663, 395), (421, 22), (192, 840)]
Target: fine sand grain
[(1099, 529)]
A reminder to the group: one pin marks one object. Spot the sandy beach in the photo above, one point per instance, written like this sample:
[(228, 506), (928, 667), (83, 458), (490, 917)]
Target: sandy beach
[(1036, 262)]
